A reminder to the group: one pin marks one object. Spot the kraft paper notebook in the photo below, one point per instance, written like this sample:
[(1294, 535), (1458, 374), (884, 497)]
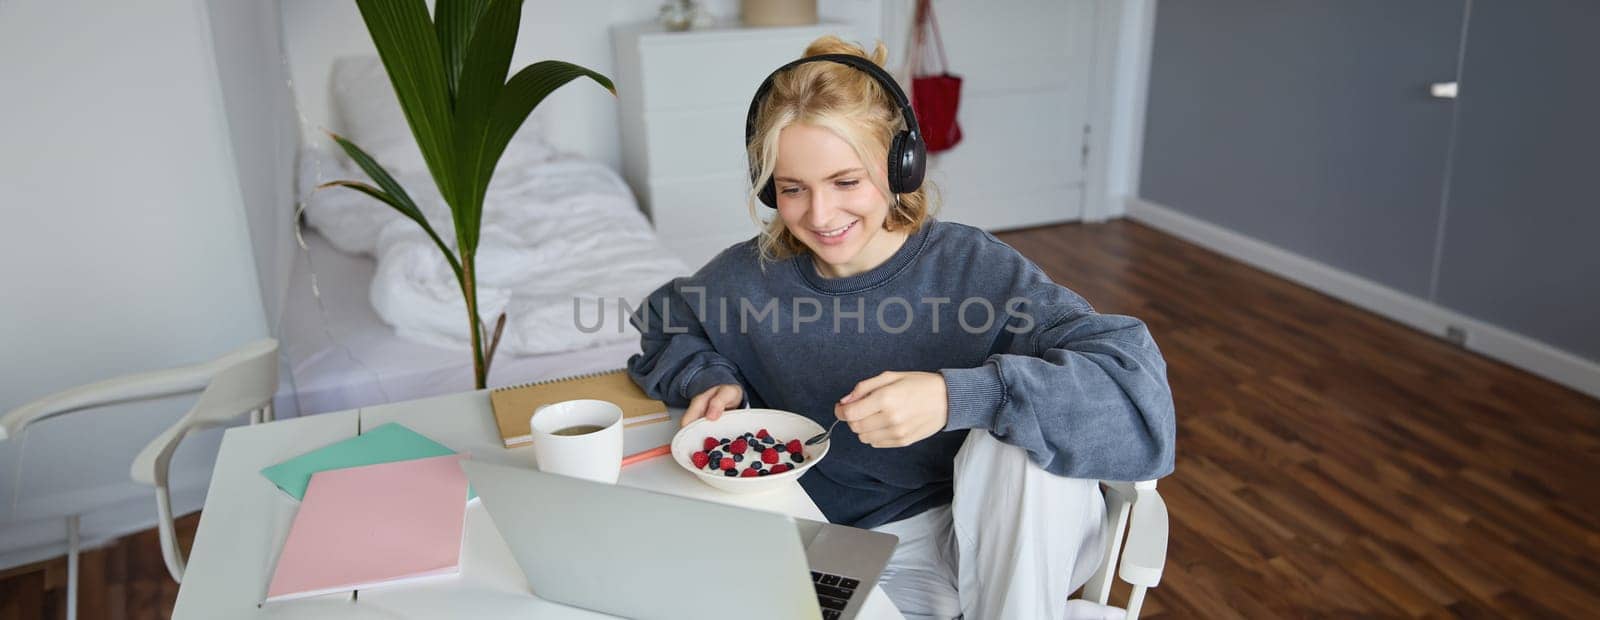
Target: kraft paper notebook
[(385, 444), (374, 525), (513, 406)]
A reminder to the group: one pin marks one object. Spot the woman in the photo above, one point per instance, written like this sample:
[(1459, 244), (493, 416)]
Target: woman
[(854, 304)]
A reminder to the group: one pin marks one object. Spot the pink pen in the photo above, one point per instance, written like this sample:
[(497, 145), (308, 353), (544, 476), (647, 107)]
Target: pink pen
[(646, 455)]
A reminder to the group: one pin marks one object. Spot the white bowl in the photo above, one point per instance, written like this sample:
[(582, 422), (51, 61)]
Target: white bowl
[(781, 424)]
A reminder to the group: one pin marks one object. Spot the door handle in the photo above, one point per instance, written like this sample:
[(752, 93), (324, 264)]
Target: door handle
[(1444, 90)]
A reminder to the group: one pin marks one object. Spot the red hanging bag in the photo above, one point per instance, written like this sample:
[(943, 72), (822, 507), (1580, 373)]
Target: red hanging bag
[(934, 96)]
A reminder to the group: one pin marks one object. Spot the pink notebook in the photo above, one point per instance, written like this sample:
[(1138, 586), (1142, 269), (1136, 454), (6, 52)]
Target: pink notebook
[(374, 525)]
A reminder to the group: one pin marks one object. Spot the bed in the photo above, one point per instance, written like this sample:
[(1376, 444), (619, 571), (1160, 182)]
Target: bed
[(370, 314), (338, 354)]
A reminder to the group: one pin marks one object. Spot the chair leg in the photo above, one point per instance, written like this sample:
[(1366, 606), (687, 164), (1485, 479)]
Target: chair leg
[(72, 567), (267, 414), (1135, 601), (255, 417), (1098, 588), (169, 535)]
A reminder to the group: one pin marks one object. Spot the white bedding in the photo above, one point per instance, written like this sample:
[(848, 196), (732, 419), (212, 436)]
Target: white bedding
[(339, 354), (555, 234)]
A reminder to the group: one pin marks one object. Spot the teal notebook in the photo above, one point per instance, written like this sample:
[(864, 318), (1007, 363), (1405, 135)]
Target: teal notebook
[(386, 444)]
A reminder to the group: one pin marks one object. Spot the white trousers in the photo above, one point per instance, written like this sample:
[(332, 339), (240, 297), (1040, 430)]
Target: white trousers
[(1015, 542)]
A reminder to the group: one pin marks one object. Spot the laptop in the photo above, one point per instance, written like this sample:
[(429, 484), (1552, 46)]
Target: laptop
[(642, 554)]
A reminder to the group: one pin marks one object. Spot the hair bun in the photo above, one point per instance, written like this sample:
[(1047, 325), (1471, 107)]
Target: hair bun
[(830, 44)]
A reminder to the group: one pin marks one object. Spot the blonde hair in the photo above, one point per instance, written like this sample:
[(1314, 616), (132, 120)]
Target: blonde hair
[(852, 105)]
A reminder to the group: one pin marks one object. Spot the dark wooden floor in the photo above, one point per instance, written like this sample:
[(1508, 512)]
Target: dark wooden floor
[(1330, 462), (1333, 463), (125, 580)]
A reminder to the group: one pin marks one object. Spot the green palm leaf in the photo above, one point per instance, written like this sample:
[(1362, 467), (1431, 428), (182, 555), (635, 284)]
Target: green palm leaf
[(409, 47), (520, 96), (449, 74), (392, 194), (455, 20), (488, 59)]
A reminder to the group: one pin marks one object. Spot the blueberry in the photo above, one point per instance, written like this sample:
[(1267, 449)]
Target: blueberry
[(730, 472), (756, 464), (769, 440), (796, 457), (781, 448), (738, 458), (716, 455), (763, 472)]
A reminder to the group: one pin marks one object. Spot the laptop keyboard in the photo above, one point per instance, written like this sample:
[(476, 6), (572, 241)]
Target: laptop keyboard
[(833, 592)]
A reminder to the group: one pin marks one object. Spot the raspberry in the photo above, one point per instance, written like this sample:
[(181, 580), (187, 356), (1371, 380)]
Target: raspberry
[(700, 459), (780, 468), (710, 442), (763, 434), (769, 456), (793, 445), (748, 473), (726, 463), (738, 446)]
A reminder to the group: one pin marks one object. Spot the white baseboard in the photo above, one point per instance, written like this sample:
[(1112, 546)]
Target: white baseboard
[(1499, 343)]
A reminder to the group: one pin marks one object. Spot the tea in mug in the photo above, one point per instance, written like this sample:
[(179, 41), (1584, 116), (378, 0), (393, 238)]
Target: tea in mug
[(580, 429)]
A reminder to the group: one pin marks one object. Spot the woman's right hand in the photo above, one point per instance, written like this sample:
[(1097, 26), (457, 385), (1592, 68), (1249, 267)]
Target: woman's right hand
[(712, 402)]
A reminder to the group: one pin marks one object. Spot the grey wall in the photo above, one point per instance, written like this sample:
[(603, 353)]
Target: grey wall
[(1307, 124), (1522, 226)]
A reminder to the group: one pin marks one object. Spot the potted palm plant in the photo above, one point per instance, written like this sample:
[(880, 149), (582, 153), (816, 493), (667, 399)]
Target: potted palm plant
[(449, 73)]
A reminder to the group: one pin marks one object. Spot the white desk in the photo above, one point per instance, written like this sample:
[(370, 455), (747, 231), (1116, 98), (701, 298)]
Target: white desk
[(246, 519)]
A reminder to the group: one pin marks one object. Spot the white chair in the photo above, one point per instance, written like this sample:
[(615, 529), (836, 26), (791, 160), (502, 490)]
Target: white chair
[(1136, 510), (241, 381)]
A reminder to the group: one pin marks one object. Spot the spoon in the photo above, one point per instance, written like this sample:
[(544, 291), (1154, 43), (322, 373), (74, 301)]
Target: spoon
[(822, 436)]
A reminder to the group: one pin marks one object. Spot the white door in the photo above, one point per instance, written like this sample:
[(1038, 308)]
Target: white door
[(1024, 108)]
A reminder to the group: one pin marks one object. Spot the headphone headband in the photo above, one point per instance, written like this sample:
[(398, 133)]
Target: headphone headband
[(907, 153)]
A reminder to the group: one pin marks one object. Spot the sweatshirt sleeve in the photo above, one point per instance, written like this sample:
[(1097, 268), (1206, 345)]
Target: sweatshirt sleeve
[(1084, 393), (678, 360)]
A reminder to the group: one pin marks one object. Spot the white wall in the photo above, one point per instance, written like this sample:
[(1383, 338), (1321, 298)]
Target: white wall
[(264, 132), (124, 249), (316, 31), (1026, 96)]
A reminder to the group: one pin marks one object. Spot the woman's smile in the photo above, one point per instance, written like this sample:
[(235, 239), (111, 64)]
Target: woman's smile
[(836, 236)]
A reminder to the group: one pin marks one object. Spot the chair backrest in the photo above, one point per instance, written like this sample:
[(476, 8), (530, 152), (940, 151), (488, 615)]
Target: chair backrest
[(242, 380)]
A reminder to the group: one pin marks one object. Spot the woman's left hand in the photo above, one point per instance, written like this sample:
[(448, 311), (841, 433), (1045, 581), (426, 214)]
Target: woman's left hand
[(896, 409)]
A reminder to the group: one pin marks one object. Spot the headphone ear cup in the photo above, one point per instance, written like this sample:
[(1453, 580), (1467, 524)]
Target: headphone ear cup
[(769, 194), (908, 158), (896, 162)]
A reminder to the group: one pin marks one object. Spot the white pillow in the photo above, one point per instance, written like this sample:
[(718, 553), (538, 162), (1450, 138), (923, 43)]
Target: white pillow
[(368, 114)]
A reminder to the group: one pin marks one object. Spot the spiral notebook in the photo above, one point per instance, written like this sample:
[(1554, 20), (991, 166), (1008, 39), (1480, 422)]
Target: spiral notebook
[(514, 405)]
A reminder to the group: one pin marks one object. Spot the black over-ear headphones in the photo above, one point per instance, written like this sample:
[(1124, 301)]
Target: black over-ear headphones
[(908, 155)]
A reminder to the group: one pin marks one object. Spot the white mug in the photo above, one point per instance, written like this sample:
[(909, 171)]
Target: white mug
[(593, 456)]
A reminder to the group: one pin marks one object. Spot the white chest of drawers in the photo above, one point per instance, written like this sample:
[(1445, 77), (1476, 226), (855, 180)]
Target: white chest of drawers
[(683, 100)]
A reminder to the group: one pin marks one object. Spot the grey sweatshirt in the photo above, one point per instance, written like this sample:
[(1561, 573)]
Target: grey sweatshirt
[(1022, 357)]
